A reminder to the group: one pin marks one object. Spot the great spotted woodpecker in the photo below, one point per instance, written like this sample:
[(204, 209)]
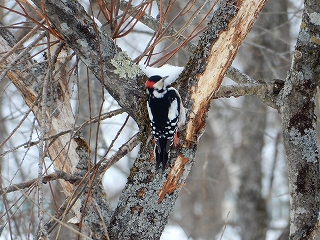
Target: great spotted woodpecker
[(166, 113)]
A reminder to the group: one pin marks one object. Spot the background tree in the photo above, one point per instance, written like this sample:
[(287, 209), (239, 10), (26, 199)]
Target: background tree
[(52, 87)]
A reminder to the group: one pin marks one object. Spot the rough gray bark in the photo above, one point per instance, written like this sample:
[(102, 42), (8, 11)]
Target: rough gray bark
[(297, 115), (296, 108)]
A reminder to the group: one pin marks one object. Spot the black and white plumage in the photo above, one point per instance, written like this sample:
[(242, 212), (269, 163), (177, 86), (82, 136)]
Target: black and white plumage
[(166, 113)]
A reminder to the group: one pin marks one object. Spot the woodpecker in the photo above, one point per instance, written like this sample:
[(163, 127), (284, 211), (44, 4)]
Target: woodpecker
[(166, 113)]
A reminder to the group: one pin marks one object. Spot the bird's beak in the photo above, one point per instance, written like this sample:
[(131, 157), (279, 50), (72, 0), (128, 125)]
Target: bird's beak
[(165, 77)]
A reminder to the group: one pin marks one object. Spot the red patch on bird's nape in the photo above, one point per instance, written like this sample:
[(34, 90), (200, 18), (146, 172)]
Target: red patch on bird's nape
[(149, 84)]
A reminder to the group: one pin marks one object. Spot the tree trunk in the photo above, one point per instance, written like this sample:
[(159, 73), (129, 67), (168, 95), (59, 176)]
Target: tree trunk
[(296, 108), (252, 209)]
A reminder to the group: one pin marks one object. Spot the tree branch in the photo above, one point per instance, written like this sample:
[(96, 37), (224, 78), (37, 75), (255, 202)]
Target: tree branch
[(113, 68), (256, 89), (154, 24), (45, 179), (241, 78), (105, 164), (28, 79)]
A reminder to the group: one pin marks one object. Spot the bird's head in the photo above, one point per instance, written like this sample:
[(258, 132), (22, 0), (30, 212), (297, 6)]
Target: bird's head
[(157, 82)]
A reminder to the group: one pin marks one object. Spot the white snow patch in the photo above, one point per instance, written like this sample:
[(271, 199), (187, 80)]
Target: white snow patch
[(97, 22), (172, 72), (173, 232)]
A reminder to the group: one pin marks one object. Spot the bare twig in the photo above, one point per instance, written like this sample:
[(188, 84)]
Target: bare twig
[(46, 178), (224, 226), (17, 127), (105, 164), (18, 44), (117, 135), (46, 93), (20, 56), (275, 158), (56, 219), (262, 47), (165, 30), (102, 166), (55, 136)]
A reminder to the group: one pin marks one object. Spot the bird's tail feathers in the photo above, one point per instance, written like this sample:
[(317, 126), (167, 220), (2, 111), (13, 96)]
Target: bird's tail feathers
[(162, 152)]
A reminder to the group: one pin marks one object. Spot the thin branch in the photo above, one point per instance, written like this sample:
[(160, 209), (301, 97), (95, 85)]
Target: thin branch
[(56, 219), (224, 226), (67, 205), (154, 24), (274, 163), (46, 178), (257, 89), (18, 44), (20, 56), (262, 47), (117, 135), (105, 164), (55, 136), (50, 225), (243, 90), (44, 126), (241, 78)]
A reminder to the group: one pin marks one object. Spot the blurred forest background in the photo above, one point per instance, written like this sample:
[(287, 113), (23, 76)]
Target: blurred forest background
[(237, 188)]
